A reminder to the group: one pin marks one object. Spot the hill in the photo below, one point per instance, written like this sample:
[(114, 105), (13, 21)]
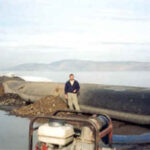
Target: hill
[(83, 65)]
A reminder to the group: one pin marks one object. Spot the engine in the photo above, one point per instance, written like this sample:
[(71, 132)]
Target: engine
[(57, 135)]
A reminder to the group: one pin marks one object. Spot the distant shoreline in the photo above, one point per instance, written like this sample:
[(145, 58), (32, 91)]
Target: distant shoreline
[(83, 65), (121, 78)]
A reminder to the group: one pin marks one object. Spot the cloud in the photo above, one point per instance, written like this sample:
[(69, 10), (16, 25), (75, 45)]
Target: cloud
[(85, 29)]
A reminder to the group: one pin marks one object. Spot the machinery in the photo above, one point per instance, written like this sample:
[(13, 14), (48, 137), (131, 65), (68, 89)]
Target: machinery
[(72, 130)]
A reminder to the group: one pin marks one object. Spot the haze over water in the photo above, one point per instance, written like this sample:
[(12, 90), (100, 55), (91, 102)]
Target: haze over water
[(125, 78)]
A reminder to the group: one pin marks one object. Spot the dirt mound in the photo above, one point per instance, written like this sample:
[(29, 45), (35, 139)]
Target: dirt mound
[(44, 106), (10, 99)]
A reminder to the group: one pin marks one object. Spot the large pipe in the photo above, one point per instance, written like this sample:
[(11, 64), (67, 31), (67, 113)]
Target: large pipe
[(120, 102), (120, 115)]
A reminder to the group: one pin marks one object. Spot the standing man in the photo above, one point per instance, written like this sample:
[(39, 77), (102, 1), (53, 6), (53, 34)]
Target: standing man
[(72, 88)]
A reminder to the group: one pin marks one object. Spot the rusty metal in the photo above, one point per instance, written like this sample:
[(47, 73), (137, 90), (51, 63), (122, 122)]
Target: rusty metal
[(81, 121), (79, 112), (108, 131)]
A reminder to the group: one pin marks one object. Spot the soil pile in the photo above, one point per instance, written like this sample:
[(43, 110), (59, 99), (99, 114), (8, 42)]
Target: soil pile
[(44, 106), (10, 99)]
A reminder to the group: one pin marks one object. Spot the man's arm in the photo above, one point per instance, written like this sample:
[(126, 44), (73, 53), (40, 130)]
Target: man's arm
[(77, 87), (66, 88)]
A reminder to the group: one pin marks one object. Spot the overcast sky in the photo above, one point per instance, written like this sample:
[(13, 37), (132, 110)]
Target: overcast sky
[(51, 30)]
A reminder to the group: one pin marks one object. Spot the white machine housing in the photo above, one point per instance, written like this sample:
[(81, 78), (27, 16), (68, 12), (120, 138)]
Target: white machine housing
[(58, 135)]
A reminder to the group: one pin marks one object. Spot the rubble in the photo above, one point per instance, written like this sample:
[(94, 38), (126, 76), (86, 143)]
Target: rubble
[(44, 106)]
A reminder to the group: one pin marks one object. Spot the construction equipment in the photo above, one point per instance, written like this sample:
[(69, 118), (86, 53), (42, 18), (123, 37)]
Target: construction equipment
[(72, 130)]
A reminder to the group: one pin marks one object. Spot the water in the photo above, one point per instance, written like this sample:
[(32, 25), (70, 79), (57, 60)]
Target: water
[(127, 78), (13, 132)]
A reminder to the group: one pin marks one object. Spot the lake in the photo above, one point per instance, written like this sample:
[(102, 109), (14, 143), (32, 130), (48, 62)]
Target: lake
[(126, 78), (13, 132)]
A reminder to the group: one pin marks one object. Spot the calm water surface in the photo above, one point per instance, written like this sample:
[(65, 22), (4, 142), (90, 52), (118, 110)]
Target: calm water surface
[(13, 132), (127, 78)]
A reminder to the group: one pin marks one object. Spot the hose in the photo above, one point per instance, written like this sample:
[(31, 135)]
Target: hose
[(131, 139)]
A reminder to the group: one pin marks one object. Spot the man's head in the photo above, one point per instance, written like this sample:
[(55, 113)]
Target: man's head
[(71, 76)]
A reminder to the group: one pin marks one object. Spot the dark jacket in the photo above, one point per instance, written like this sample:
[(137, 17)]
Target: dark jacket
[(70, 88)]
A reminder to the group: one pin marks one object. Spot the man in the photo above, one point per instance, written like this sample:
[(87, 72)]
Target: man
[(72, 88)]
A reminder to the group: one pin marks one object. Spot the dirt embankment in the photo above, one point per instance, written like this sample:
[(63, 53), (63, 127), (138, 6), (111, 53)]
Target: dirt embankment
[(44, 106)]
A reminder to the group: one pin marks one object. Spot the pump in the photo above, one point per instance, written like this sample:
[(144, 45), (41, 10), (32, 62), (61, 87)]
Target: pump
[(72, 130)]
